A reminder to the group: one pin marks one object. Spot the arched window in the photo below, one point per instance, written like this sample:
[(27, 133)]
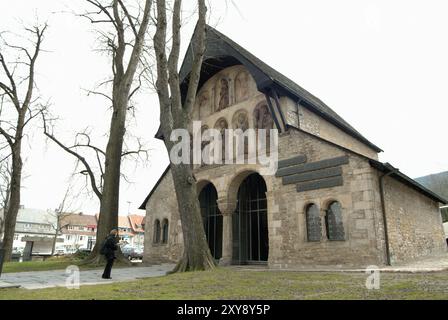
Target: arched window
[(165, 231), (156, 231), (313, 225), (333, 221)]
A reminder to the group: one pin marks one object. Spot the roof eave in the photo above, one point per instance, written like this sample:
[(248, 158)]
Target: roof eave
[(143, 205), (398, 175)]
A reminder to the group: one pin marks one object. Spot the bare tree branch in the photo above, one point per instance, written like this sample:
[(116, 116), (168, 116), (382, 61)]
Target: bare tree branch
[(78, 156), (7, 136), (199, 45), (102, 9), (128, 16)]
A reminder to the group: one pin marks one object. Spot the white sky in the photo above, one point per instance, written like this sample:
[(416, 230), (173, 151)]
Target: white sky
[(381, 65)]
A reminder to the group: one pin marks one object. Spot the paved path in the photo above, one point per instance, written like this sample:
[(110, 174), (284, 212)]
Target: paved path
[(57, 278), (427, 264)]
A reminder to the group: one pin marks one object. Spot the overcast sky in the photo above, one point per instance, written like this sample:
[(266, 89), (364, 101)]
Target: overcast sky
[(381, 65)]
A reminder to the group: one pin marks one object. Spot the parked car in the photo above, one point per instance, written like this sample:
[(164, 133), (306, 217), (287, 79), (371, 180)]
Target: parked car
[(59, 252), (132, 253)]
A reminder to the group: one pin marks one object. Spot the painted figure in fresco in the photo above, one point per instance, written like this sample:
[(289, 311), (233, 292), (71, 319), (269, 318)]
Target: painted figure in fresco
[(242, 86), (222, 125), (204, 106), (262, 118), (241, 121), (223, 95)]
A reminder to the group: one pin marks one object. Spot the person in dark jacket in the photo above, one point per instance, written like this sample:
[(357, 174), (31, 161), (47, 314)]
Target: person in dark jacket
[(110, 246)]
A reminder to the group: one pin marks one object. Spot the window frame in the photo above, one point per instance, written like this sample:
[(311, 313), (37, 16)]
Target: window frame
[(338, 230), (308, 223), (157, 232), (165, 231)]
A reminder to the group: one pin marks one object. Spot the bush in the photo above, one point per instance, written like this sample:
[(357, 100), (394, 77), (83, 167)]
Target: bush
[(81, 254)]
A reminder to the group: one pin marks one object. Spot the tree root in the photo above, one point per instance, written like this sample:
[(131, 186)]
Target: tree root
[(184, 265), (94, 259)]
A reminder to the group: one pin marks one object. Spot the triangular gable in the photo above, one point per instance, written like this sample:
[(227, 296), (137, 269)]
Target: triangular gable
[(222, 52)]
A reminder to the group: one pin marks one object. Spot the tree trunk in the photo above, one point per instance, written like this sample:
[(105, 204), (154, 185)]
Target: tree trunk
[(53, 248), (196, 254), (109, 207), (14, 201)]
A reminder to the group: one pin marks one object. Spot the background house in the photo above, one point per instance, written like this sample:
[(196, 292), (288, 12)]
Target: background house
[(78, 231), (137, 223), (36, 230), (34, 233), (125, 231)]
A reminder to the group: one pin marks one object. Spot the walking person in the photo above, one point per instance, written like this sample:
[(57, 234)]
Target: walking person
[(108, 250)]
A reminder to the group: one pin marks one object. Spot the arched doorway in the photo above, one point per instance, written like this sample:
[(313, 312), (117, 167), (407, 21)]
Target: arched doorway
[(212, 218), (250, 222)]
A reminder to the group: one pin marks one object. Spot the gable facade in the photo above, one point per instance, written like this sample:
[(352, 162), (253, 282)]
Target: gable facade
[(324, 205)]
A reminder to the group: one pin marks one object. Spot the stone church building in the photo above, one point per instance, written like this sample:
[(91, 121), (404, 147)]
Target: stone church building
[(331, 202)]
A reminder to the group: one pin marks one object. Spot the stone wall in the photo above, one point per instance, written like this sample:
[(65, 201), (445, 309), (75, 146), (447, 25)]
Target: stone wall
[(363, 244), (414, 223), (415, 227), (288, 242), (163, 205), (312, 123)]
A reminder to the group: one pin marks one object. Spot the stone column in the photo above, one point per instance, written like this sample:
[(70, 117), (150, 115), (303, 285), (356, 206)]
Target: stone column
[(323, 225), (227, 211)]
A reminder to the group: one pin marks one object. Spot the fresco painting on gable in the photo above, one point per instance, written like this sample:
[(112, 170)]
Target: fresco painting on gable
[(222, 125), (241, 121), (262, 117), (224, 95), (205, 107), (263, 120), (242, 86), (230, 86)]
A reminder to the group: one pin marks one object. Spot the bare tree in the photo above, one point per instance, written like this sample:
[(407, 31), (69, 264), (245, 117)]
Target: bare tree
[(17, 109), (61, 213), (176, 112), (126, 25), (5, 188), (5, 183)]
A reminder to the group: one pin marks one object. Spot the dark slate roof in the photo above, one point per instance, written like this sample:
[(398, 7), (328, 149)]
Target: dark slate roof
[(387, 167), (222, 52)]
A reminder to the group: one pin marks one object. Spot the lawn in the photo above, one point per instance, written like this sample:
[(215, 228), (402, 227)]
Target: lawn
[(228, 283), (50, 264)]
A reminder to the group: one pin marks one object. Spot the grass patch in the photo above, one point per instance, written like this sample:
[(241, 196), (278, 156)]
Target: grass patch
[(227, 283), (54, 263)]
